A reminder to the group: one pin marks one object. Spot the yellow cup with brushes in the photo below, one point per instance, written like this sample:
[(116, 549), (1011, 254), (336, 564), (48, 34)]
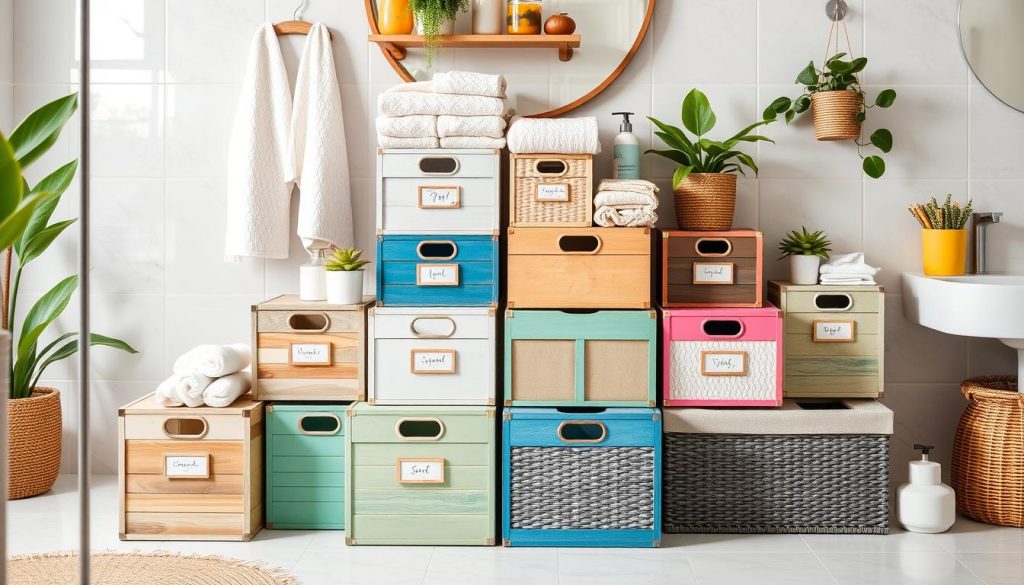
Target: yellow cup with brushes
[(943, 237)]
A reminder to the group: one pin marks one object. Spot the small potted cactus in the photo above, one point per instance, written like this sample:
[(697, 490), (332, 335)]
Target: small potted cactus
[(345, 276), (805, 251)]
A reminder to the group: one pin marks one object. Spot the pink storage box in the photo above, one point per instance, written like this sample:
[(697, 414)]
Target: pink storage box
[(723, 357)]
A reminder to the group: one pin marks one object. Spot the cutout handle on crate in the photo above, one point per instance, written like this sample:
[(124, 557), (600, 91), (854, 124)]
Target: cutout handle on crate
[(833, 301), (432, 327), (309, 322), (439, 165), (419, 429), (550, 167), (321, 423), (186, 428), (722, 328), (437, 249), (582, 431), (588, 244), (712, 247)]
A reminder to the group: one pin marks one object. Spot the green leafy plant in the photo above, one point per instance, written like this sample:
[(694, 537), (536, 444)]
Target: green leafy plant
[(804, 243), (345, 260), (431, 14), (26, 232), (700, 154), (947, 216), (839, 75)]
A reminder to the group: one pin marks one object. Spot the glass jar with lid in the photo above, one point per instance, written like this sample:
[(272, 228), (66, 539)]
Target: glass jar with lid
[(524, 17)]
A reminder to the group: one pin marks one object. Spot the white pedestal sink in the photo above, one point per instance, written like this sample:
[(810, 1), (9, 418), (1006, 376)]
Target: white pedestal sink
[(983, 305)]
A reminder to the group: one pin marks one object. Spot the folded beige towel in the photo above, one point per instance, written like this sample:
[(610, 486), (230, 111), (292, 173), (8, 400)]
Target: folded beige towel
[(472, 142), (490, 126), (420, 126), (635, 185), (626, 216), (393, 142)]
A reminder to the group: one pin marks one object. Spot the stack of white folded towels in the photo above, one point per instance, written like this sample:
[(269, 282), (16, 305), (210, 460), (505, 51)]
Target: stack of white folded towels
[(207, 374), (457, 109), (848, 269), (626, 203)]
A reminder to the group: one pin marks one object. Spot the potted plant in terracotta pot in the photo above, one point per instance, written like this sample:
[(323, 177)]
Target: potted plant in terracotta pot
[(345, 276), (705, 181), (805, 251), (34, 417)]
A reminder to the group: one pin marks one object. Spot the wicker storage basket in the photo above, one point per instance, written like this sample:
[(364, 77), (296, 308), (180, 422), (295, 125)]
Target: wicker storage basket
[(834, 114), (552, 190), (35, 438), (706, 202), (797, 469), (988, 452)]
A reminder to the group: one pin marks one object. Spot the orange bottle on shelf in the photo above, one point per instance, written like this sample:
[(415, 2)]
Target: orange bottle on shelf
[(394, 17), (524, 17)]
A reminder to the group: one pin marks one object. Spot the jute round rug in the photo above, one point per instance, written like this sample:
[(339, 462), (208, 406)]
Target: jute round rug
[(111, 568)]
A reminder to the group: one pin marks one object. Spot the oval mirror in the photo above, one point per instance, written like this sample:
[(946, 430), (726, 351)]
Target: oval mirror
[(990, 34), (541, 83)]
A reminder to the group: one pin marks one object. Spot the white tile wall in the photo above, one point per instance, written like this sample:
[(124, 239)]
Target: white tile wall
[(167, 74)]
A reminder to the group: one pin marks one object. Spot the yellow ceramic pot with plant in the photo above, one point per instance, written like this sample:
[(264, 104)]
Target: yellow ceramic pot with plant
[(943, 236)]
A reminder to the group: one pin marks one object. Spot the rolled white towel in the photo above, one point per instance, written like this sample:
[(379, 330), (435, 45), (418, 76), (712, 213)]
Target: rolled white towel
[(490, 126), (554, 135), (846, 264), (167, 394), (189, 388), (472, 142), (394, 142), (214, 360), (223, 391), (469, 83), (407, 126)]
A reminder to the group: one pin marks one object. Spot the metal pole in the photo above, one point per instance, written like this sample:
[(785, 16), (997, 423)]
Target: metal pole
[(83, 295)]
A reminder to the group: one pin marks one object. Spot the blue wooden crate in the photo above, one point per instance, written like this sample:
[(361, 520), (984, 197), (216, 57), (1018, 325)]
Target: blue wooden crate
[(581, 477), (437, 270)]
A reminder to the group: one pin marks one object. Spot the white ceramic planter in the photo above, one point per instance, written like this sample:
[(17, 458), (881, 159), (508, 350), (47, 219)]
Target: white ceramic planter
[(344, 287), (802, 269), (488, 17), (447, 28)]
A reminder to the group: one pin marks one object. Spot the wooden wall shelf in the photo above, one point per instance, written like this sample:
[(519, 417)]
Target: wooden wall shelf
[(396, 45)]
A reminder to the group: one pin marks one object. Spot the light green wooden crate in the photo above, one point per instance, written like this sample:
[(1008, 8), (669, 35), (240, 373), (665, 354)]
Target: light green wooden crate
[(305, 466), (384, 507)]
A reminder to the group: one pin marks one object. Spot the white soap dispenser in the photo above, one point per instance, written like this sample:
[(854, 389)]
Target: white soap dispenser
[(925, 504)]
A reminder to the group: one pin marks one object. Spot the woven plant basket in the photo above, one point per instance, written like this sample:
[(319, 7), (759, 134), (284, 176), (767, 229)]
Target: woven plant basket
[(988, 452), (833, 113), (706, 201), (34, 425)]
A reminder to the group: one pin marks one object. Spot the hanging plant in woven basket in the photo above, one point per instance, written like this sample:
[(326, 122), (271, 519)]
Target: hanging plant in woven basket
[(837, 101)]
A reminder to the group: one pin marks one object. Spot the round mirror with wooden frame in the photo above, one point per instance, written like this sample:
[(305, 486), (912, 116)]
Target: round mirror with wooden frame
[(548, 75)]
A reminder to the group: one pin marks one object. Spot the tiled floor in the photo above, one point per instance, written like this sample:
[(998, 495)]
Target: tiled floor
[(971, 554)]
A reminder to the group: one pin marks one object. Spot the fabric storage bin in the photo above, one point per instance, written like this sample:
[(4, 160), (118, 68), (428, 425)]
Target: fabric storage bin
[(551, 190), (305, 466), (579, 268), (437, 270), (309, 350), (835, 339), (599, 358), (432, 355), (811, 466), (723, 357), (420, 475), (451, 191), (581, 477), (711, 269), (190, 473)]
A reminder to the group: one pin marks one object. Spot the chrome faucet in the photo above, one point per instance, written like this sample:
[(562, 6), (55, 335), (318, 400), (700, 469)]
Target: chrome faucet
[(979, 224)]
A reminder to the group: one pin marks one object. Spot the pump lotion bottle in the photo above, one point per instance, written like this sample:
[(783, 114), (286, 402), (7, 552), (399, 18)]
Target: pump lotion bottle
[(626, 164), (925, 504)]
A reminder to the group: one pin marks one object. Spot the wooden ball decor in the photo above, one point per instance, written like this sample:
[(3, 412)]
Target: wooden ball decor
[(559, 23)]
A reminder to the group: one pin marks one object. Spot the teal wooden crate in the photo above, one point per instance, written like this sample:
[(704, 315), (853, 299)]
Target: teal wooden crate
[(420, 475), (305, 466), (566, 358)]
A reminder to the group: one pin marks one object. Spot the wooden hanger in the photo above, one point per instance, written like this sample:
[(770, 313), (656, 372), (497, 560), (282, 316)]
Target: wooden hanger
[(296, 26)]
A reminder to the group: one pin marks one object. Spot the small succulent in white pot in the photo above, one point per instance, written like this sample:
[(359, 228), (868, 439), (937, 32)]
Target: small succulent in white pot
[(345, 276), (805, 251)]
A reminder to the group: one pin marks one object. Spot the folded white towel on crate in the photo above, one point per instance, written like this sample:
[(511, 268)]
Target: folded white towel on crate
[(626, 216), (225, 390), (420, 126), (472, 142), (837, 280), (167, 393), (469, 83), (260, 168), (631, 185), (189, 388), (447, 126), (848, 264), (394, 142), (554, 135), (214, 360), (405, 102)]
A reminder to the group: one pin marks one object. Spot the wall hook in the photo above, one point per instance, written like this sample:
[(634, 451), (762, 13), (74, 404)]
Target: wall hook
[(836, 9), (297, 15)]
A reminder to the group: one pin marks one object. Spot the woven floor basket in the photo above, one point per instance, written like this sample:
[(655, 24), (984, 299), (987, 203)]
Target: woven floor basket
[(833, 113), (988, 452), (562, 488), (35, 435), (776, 484), (706, 201)]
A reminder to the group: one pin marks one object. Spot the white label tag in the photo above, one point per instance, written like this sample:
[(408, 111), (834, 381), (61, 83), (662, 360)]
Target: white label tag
[(437, 274), (835, 331), (723, 363), (421, 470), (439, 198), (187, 466), (433, 361), (553, 192), (713, 273), (310, 354)]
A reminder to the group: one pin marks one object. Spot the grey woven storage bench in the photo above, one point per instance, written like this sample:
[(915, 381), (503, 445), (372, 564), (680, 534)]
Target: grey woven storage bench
[(811, 466)]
